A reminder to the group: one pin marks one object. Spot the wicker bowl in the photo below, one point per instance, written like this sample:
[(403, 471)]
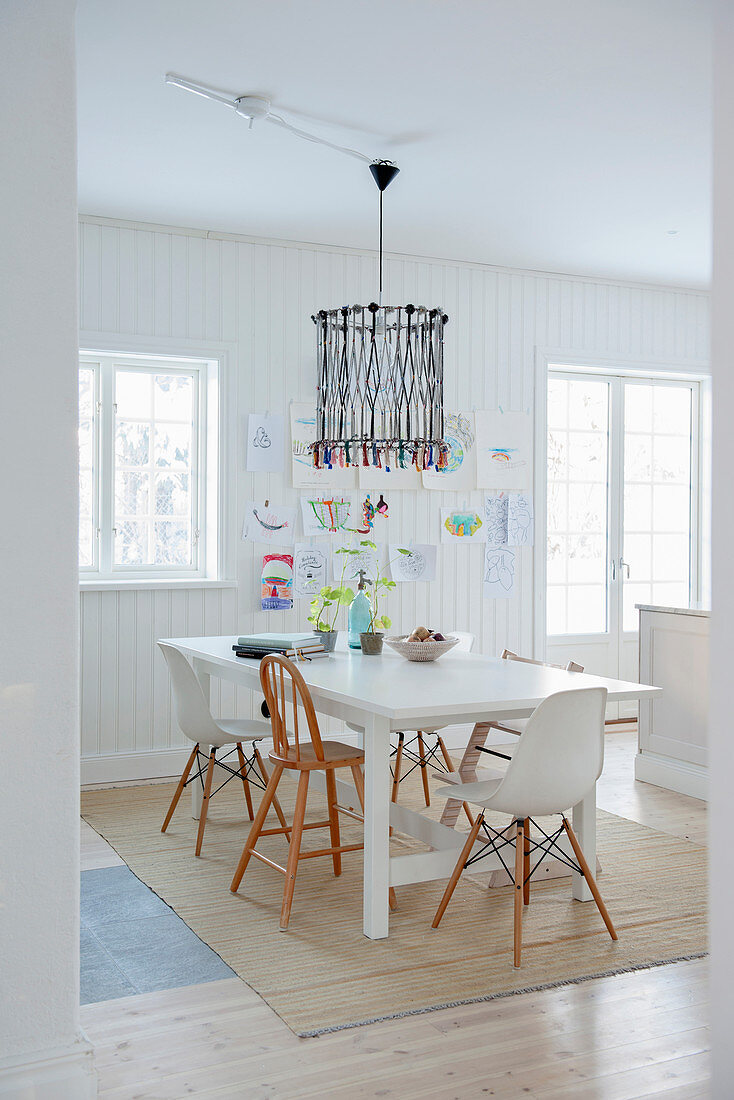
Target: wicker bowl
[(421, 651)]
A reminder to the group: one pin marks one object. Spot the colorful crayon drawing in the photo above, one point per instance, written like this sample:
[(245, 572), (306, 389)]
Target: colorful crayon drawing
[(502, 454), (326, 513), (461, 526), (303, 471), (266, 522), (277, 582), (458, 433), (504, 449)]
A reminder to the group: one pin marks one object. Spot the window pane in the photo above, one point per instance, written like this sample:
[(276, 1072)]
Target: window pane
[(587, 558), (132, 443), (657, 497), (154, 468), (131, 493), (172, 396), (587, 456), (586, 608), (671, 410), (172, 494), (672, 459), (131, 543), (173, 445), (172, 542), (87, 469), (555, 602), (577, 505), (133, 394)]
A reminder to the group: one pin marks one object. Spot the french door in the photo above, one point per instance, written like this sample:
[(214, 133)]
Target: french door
[(622, 511)]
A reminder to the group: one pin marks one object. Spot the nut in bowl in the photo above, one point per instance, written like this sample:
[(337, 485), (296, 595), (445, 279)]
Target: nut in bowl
[(429, 649)]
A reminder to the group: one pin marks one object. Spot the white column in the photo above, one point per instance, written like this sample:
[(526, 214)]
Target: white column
[(376, 827), (721, 764), (42, 1051)]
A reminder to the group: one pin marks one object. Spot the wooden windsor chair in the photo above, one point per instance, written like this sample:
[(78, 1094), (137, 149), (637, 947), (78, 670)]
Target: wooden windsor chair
[(285, 692)]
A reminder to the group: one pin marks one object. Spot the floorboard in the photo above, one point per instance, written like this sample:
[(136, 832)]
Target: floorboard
[(629, 1036)]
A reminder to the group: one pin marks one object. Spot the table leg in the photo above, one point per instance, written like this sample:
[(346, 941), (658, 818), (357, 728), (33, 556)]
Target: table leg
[(376, 828), (196, 788), (584, 825)]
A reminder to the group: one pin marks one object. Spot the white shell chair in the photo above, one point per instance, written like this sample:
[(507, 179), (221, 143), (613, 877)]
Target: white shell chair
[(196, 722), (424, 754), (558, 759)]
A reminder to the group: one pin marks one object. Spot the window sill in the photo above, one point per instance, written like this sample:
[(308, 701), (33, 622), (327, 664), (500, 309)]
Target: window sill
[(132, 584)]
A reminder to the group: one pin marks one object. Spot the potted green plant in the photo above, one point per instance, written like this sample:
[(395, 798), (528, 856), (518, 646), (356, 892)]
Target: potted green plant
[(371, 640), (322, 618)]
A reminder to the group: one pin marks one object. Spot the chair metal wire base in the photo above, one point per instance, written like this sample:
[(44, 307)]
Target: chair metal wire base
[(248, 772), (430, 756), (497, 840)]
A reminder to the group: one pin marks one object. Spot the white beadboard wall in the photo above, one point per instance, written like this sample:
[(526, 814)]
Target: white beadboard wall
[(149, 287)]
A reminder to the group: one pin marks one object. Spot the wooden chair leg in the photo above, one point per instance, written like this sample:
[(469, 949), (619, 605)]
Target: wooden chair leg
[(262, 812), (467, 770), (456, 873), (359, 785), (333, 819), (294, 850), (581, 859), (245, 782), (519, 865), (424, 768), (276, 804), (205, 800), (526, 864), (180, 787), (450, 767)]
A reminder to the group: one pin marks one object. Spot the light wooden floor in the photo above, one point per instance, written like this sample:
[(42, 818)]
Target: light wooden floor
[(629, 1036)]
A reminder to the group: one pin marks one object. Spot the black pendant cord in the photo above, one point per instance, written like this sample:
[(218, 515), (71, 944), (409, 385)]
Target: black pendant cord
[(380, 299)]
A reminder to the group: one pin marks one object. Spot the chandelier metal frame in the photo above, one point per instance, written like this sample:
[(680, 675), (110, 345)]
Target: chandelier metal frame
[(380, 379)]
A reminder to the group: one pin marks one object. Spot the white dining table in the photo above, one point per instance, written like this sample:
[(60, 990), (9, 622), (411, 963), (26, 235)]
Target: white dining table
[(387, 693)]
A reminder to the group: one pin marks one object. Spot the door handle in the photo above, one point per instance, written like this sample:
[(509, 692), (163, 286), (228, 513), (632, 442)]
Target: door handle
[(625, 565), (614, 570)]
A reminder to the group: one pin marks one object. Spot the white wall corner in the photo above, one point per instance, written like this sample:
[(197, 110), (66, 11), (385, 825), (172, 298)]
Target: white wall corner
[(57, 1074)]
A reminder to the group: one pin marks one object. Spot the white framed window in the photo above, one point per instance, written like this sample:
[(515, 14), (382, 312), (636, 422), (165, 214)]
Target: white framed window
[(148, 467)]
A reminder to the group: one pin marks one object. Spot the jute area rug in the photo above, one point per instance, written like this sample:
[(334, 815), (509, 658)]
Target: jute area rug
[(324, 974)]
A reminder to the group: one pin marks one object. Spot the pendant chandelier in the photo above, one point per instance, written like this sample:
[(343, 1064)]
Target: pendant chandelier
[(380, 380)]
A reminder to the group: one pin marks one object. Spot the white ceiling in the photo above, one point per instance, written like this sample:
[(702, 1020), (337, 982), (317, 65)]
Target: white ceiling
[(561, 135)]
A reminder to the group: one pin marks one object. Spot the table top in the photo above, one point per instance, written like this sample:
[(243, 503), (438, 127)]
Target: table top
[(457, 684)]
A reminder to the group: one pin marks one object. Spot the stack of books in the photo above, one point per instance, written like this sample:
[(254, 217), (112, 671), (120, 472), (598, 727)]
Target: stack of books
[(305, 647)]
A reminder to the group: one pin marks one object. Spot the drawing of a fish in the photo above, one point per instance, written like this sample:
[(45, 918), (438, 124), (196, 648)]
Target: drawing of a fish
[(268, 526)]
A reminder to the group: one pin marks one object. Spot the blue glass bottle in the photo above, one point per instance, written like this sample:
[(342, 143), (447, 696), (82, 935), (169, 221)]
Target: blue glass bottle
[(359, 614)]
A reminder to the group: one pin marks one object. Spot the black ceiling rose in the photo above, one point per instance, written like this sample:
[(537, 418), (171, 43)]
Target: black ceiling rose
[(383, 173)]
